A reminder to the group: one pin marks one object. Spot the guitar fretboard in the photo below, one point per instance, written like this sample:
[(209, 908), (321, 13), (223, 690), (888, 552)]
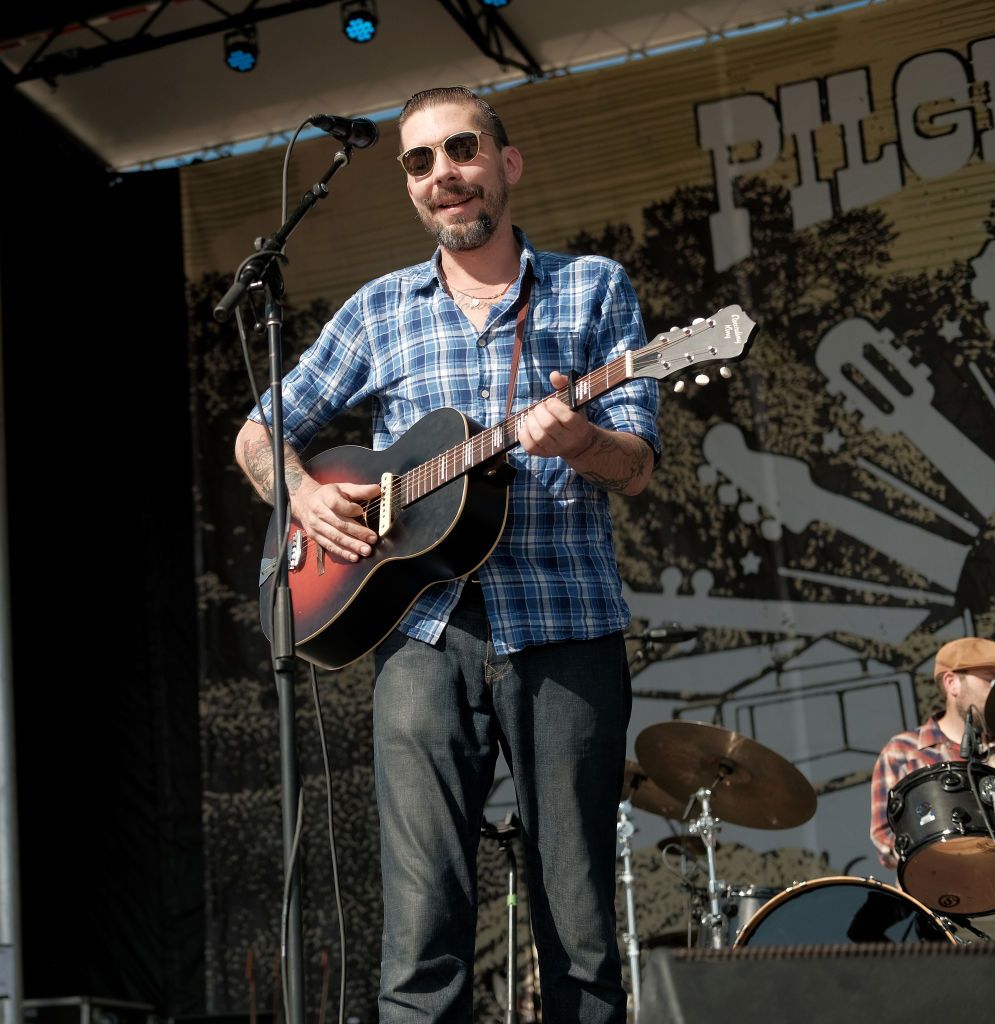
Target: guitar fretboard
[(493, 441)]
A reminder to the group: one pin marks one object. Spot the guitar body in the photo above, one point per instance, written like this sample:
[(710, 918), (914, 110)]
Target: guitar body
[(342, 610)]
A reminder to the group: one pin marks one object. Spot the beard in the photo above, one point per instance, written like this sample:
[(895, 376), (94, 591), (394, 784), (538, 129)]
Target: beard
[(462, 234)]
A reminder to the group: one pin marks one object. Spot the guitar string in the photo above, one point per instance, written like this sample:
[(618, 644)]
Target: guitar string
[(434, 469), (422, 475)]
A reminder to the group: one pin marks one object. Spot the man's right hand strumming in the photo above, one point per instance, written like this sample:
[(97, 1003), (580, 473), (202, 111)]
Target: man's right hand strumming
[(331, 514)]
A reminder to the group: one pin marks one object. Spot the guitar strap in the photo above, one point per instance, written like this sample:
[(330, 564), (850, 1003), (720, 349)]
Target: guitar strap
[(500, 467), (523, 310)]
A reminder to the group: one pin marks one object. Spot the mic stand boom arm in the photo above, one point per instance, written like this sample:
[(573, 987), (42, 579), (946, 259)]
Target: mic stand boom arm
[(255, 268), (263, 271)]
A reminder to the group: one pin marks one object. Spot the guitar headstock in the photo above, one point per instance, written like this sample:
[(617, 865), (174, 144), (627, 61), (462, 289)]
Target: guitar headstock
[(723, 338)]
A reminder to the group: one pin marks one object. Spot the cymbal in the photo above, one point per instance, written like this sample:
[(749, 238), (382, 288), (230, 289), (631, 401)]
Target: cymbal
[(750, 784), (642, 792)]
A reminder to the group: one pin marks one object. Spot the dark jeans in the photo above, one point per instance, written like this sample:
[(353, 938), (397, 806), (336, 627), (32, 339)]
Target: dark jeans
[(559, 713)]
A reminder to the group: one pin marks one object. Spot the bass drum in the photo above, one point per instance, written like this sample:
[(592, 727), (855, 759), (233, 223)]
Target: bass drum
[(842, 911)]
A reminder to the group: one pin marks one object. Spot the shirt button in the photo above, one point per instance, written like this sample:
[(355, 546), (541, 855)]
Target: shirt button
[(482, 342), (485, 392)]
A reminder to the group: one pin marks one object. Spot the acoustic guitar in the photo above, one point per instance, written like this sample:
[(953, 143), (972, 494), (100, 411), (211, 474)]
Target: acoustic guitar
[(444, 501)]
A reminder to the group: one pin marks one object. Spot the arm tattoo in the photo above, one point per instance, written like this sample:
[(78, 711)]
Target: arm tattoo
[(628, 465), (259, 466), (293, 470)]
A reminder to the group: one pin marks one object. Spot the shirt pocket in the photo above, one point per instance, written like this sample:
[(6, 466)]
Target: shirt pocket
[(547, 349)]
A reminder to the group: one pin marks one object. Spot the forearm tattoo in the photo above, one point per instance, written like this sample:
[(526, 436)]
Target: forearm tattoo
[(259, 467), (625, 464)]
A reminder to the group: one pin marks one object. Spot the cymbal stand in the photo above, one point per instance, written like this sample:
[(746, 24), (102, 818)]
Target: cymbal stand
[(624, 830), (707, 827)]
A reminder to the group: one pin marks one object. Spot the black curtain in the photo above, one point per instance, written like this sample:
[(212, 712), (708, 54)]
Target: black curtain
[(103, 605)]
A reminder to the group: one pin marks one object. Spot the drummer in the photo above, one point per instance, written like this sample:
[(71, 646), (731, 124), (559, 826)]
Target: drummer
[(964, 672)]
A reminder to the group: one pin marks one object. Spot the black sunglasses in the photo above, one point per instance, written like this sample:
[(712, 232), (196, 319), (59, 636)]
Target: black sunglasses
[(460, 148)]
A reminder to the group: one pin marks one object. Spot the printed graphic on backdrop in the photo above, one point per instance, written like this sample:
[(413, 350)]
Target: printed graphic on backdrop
[(848, 488)]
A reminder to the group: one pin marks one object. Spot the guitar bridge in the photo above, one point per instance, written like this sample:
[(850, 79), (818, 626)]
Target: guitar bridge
[(386, 502), (295, 553)]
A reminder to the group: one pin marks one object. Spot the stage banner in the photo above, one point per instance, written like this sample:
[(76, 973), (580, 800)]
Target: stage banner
[(822, 520)]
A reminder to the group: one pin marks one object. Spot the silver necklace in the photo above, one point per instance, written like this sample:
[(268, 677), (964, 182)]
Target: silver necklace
[(476, 301)]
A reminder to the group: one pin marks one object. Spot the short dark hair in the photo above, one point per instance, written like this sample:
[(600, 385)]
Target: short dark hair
[(487, 116)]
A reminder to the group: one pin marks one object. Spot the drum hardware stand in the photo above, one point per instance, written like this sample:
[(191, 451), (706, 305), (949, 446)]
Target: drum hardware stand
[(504, 833), (625, 830), (955, 924), (974, 752), (706, 826)]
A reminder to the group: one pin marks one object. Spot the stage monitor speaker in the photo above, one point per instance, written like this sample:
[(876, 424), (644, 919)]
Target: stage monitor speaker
[(223, 1018), (819, 984), (86, 1010)]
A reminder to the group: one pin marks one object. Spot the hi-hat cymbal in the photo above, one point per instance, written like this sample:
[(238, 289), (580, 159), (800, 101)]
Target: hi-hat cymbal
[(750, 784), (642, 792)]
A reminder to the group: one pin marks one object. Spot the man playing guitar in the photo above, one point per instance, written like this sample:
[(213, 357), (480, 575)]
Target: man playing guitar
[(527, 656)]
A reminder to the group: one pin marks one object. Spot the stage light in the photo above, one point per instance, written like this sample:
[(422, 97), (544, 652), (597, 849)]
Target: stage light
[(494, 3), (359, 20), (241, 49)]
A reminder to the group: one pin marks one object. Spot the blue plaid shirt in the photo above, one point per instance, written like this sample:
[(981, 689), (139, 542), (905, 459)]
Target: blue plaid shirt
[(402, 340)]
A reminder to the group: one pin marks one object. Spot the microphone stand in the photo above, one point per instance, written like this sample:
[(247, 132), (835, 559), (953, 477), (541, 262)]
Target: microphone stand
[(262, 271), (973, 752)]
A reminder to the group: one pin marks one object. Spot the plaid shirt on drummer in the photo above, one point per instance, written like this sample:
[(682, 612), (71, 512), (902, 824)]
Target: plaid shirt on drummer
[(401, 341), (902, 754)]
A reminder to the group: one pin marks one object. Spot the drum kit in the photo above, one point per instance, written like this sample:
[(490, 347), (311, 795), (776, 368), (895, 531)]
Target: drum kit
[(701, 774), (942, 816)]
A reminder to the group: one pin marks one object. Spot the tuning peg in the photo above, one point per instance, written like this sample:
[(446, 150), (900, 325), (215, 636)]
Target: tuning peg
[(702, 379), (698, 320), (725, 372), (679, 386)]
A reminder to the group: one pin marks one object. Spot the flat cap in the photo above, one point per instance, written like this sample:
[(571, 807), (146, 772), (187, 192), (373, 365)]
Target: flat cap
[(966, 653)]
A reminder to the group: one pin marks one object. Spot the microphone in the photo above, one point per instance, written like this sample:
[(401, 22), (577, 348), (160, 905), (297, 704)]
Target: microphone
[(359, 132), (672, 634), (969, 742)]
